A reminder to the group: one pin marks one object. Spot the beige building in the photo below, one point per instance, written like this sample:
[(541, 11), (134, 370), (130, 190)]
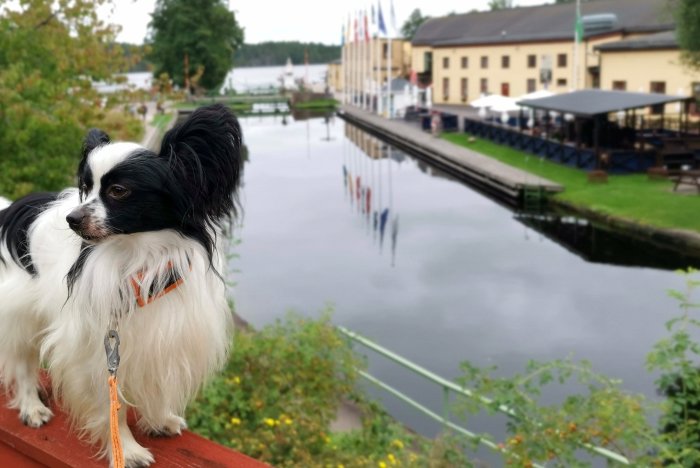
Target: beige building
[(648, 64), (334, 77), (519, 50)]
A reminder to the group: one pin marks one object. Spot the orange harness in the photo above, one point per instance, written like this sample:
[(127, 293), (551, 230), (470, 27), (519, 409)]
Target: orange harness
[(112, 349), (174, 280)]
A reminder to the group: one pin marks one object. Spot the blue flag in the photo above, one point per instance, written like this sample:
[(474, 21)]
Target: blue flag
[(382, 25), (342, 35)]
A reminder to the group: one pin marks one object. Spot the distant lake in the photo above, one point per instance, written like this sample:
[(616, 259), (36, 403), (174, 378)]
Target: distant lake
[(250, 78), (241, 79)]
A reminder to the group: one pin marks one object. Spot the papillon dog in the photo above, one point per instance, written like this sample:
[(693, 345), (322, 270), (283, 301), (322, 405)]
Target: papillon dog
[(137, 248)]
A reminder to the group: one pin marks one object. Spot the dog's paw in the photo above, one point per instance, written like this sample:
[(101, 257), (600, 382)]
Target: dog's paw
[(173, 426), (136, 456), (35, 416)]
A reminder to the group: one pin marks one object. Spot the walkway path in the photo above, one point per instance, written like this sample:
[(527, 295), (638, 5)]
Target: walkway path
[(480, 169)]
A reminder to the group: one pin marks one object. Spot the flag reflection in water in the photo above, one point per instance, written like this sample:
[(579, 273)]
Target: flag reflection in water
[(367, 169)]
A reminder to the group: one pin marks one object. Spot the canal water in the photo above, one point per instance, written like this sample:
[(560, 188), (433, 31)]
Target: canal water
[(444, 274)]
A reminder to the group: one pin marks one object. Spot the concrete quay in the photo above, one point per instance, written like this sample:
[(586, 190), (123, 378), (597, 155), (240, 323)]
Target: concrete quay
[(494, 177)]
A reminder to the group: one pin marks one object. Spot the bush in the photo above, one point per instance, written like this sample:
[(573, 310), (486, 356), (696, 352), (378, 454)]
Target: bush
[(280, 392)]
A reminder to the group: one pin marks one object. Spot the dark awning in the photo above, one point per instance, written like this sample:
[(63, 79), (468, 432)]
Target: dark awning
[(591, 102)]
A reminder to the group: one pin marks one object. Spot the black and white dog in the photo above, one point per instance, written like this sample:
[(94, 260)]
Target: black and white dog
[(136, 248)]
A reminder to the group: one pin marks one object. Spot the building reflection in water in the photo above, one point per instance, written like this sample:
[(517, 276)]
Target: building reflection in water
[(600, 244), (368, 183)]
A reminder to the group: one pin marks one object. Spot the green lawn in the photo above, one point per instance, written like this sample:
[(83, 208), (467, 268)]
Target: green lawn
[(316, 104), (633, 197), (160, 121)]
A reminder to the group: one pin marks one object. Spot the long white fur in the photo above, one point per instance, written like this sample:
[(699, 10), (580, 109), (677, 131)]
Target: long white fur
[(168, 348)]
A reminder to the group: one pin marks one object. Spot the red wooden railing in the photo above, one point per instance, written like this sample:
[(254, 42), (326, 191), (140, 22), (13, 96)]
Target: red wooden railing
[(54, 445)]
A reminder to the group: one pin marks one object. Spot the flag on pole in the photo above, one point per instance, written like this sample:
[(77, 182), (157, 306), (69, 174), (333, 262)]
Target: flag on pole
[(356, 33), (366, 28), (380, 19), (342, 35), (578, 26), (392, 16)]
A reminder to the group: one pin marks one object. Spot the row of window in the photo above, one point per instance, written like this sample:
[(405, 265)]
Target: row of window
[(654, 86), (484, 87), (562, 61)]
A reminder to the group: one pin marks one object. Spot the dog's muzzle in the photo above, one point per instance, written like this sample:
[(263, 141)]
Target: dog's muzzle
[(76, 218), (80, 220)]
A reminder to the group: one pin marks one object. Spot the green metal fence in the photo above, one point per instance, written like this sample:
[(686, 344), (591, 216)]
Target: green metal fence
[(447, 388)]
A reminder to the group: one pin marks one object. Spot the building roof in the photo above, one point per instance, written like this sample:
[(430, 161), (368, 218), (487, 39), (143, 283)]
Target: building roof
[(662, 40), (591, 102), (544, 22)]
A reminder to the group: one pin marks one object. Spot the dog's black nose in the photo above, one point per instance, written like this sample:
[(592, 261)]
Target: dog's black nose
[(75, 218)]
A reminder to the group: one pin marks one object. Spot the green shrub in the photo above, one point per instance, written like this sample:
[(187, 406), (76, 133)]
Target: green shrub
[(280, 392)]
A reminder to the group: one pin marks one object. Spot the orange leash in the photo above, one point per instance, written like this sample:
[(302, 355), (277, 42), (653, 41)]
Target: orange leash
[(117, 452), (112, 366)]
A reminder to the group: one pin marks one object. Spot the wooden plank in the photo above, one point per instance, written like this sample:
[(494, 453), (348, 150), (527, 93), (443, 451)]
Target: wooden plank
[(56, 446)]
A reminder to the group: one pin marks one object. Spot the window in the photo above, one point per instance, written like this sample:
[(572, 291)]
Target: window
[(505, 61), (619, 85), (695, 105), (446, 89), (465, 62), (532, 61), (657, 87), (531, 85), (561, 60), (427, 59), (561, 82), (385, 52), (505, 89), (484, 85), (465, 89), (445, 62), (484, 61)]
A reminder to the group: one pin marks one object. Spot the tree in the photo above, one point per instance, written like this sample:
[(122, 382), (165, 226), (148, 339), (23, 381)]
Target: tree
[(194, 37), (687, 15), (412, 24), (500, 4), (51, 53)]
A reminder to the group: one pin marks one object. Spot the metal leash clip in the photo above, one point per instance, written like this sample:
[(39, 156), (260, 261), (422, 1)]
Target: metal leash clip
[(112, 351)]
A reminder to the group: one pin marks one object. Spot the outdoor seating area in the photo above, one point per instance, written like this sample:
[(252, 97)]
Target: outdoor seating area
[(616, 131)]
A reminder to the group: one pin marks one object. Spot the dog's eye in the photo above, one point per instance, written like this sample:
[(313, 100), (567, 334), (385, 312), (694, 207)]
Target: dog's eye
[(118, 192)]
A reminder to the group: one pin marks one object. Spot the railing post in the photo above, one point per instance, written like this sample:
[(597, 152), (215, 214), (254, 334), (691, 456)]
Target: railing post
[(445, 406)]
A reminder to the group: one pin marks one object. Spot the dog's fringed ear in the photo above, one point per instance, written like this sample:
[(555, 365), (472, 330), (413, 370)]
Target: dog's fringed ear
[(204, 153), (94, 138)]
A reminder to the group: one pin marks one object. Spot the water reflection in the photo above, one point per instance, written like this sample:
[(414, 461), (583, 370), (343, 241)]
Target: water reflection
[(600, 244), (367, 181)]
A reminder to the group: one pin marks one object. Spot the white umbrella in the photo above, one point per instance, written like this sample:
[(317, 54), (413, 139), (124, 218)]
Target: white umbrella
[(542, 93), (505, 105), (488, 101)]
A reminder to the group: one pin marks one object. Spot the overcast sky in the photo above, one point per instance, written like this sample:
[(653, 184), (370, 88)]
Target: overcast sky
[(293, 20)]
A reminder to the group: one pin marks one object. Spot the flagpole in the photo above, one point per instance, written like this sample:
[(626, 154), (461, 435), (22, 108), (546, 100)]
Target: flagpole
[(390, 72), (380, 104), (366, 59), (356, 63), (577, 44)]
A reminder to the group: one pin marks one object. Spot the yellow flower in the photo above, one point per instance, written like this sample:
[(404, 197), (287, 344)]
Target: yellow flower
[(397, 443), (235, 421), (237, 380), (340, 465), (382, 464), (391, 458), (269, 421), (327, 439)]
